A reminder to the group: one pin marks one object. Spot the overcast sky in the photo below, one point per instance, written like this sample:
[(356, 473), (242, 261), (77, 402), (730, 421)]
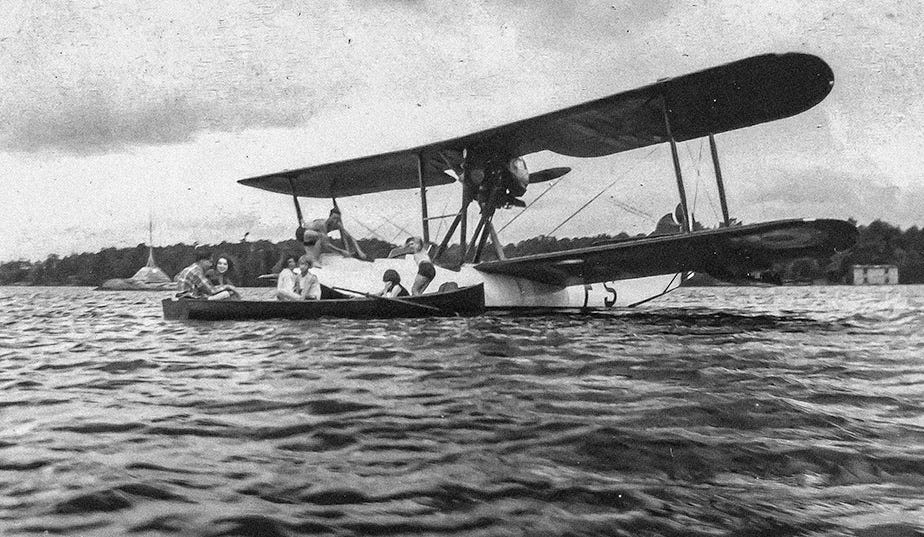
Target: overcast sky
[(111, 113)]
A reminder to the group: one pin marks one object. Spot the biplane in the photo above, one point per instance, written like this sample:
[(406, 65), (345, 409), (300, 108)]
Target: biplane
[(489, 169)]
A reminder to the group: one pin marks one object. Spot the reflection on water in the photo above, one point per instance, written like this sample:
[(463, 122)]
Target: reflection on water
[(727, 411)]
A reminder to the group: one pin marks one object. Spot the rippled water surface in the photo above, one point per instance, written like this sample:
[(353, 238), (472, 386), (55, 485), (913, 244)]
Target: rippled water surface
[(723, 411)]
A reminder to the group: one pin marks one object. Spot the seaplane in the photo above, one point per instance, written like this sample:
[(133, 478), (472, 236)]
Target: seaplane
[(489, 168)]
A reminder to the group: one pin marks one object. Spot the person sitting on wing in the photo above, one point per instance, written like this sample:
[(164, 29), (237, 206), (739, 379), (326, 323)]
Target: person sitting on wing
[(287, 284), (192, 283), (315, 236), (393, 287), (425, 269), (308, 288)]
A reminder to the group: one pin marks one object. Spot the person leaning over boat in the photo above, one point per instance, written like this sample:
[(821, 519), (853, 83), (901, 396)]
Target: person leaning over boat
[(315, 236), (308, 288), (287, 284), (192, 283), (393, 287)]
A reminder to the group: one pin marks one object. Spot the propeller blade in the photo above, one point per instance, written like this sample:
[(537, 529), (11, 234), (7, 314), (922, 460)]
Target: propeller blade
[(547, 175)]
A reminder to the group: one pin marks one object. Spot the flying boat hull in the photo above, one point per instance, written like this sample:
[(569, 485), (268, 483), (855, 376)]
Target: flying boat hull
[(617, 273), (501, 291)]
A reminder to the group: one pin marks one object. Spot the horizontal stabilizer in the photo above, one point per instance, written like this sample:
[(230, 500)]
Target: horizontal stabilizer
[(725, 251)]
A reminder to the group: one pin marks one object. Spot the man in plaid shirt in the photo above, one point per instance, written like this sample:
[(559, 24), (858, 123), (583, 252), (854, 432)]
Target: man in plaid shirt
[(192, 283)]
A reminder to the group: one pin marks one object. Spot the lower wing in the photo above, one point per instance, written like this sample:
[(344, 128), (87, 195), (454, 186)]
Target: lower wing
[(726, 252)]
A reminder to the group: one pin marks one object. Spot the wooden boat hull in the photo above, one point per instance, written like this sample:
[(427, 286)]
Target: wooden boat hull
[(465, 301)]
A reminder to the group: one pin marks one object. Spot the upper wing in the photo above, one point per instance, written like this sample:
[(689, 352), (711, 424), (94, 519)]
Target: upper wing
[(731, 96), (378, 173), (724, 252)]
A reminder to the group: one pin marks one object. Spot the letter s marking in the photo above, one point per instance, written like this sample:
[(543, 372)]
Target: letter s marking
[(609, 302)]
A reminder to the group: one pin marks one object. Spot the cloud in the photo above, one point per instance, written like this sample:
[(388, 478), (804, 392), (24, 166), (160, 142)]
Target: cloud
[(90, 81), (101, 123), (97, 123), (822, 192), (100, 80)]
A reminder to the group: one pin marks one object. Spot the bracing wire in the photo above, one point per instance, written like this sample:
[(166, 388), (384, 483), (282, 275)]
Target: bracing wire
[(544, 192), (632, 210), (591, 200), (440, 227), (373, 231), (712, 205), (396, 226), (698, 163)]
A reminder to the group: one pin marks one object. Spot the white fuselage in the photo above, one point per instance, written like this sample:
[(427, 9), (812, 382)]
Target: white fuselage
[(501, 291)]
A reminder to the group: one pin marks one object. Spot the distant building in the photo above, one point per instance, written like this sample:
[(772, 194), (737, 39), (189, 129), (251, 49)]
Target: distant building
[(875, 275)]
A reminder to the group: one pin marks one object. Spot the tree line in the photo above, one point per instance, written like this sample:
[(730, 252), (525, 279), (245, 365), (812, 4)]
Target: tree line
[(879, 243), (248, 260)]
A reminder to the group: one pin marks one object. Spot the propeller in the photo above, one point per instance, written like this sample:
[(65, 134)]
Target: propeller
[(547, 175)]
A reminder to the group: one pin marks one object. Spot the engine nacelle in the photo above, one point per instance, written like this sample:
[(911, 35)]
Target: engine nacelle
[(518, 176)]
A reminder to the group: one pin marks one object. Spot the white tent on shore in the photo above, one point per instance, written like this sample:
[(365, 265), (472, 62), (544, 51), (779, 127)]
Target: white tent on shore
[(151, 273), (148, 278)]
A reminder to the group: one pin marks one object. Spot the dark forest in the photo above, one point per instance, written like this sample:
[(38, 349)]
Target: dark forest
[(879, 243)]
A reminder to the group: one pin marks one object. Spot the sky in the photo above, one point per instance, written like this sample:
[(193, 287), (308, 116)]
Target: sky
[(114, 114)]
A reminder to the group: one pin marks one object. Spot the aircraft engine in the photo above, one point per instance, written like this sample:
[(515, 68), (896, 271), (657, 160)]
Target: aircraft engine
[(485, 174), (473, 177), (519, 176)]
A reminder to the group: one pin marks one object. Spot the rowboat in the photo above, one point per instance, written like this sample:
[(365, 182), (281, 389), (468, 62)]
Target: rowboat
[(462, 301)]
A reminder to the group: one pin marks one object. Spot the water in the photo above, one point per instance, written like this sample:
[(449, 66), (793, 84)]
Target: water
[(723, 411)]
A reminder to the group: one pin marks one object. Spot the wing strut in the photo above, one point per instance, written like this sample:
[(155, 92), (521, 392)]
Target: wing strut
[(718, 179), (298, 208), (463, 238), (461, 217), (424, 221), (680, 189), (468, 197)]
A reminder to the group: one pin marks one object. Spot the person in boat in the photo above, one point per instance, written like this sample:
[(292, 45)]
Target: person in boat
[(221, 276), (393, 287), (425, 269), (308, 287), (287, 283), (192, 283), (315, 236)]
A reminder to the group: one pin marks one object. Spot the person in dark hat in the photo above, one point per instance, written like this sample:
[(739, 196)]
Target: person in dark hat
[(315, 236), (393, 287)]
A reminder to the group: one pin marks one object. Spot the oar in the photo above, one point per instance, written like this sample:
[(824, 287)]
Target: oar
[(391, 299)]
